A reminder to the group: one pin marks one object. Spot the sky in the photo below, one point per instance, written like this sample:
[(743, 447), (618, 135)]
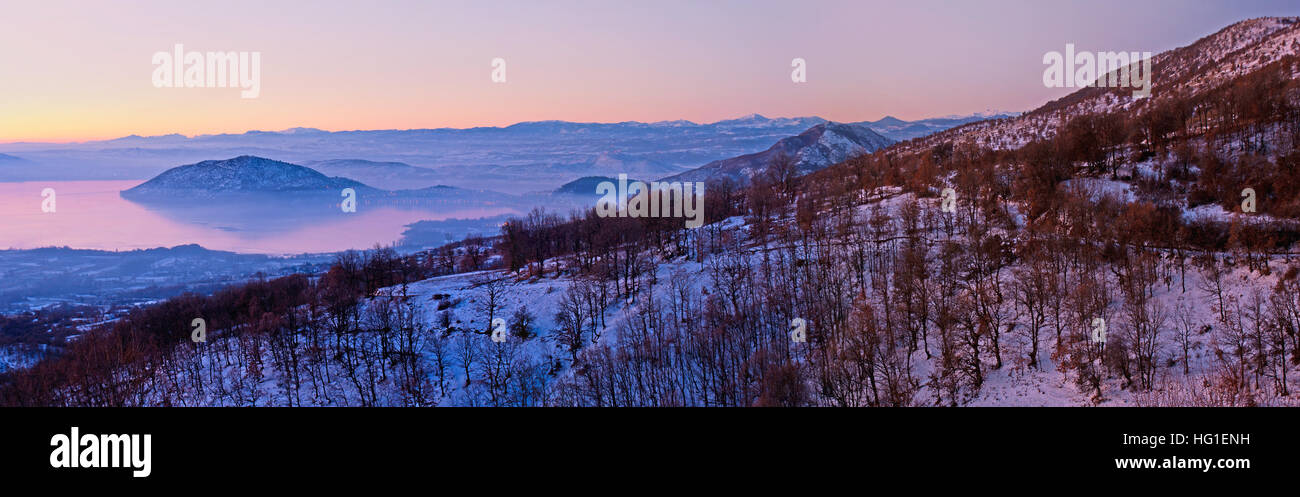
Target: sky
[(76, 71)]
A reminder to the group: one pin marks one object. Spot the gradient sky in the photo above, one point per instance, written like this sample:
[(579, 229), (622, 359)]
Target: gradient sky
[(81, 71)]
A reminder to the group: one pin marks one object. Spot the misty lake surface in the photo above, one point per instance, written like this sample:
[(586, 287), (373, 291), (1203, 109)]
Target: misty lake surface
[(91, 215)]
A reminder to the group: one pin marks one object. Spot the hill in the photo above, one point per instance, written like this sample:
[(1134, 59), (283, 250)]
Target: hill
[(818, 147), (241, 175)]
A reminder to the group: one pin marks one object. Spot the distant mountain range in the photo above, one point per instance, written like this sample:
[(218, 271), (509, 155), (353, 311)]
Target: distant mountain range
[(385, 175), (818, 147), (900, 130), (528, 156)]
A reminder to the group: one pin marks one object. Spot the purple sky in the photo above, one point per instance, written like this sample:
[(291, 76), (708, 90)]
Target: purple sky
[(83, 71)]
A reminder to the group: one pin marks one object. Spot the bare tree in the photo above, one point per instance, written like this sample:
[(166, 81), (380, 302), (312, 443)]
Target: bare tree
[(492, 295)]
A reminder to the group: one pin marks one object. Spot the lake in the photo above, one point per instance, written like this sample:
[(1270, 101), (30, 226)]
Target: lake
[(91, 215)]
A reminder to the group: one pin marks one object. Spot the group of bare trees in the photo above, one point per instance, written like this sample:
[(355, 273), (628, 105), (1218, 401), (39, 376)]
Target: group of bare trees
[(911, 305), (290, 341)]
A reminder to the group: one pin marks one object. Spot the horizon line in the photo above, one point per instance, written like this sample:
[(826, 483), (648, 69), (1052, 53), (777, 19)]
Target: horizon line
[(986, 114)]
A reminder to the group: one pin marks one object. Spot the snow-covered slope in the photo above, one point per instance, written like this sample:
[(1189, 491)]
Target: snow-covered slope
[(1204, 65), (818, 147)]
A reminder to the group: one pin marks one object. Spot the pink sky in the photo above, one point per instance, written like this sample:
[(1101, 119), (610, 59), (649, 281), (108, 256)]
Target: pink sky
[(77, 71)]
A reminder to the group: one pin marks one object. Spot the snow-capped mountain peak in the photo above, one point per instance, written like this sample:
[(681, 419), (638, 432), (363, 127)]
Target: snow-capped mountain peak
[(820, 146)]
